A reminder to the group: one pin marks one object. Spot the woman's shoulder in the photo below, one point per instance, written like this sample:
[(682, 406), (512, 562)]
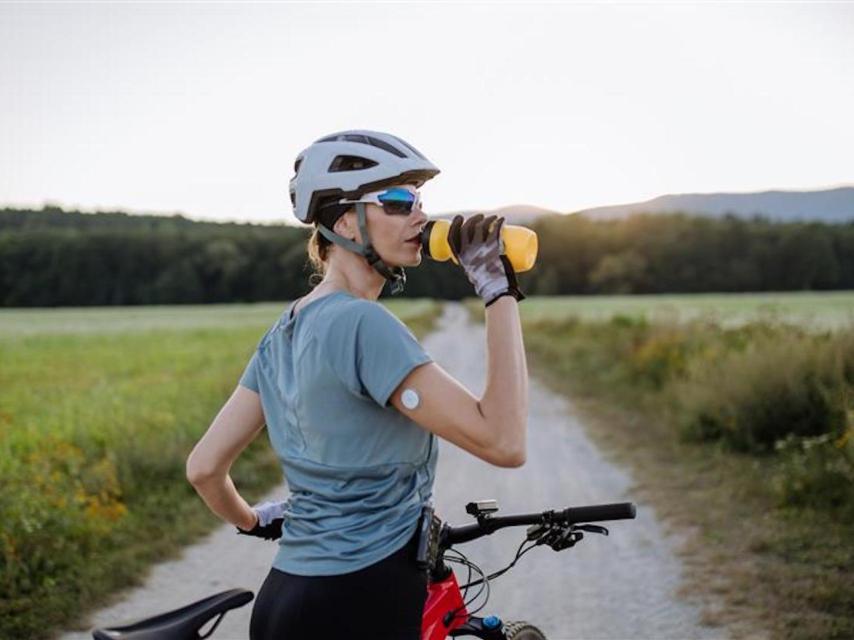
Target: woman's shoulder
[(354, 312), (351, 317)]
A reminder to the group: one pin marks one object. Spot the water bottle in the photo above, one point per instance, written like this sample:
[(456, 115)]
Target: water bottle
[(520, 244)]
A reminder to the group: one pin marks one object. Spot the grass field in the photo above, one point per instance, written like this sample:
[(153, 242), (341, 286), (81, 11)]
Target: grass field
[(99, 409), (20, 323), (819, 310)]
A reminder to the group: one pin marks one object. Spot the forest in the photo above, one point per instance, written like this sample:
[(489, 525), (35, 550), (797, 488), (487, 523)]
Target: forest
[(52, 257)]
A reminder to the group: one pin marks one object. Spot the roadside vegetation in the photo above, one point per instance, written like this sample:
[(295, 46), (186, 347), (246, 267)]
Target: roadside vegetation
[(99, 410), (741, 435)]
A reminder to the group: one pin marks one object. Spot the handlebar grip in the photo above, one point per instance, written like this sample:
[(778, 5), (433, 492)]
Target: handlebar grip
[(599, 512)]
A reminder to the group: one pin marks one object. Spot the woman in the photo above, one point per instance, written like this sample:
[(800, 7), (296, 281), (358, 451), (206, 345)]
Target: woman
[(353, 403)]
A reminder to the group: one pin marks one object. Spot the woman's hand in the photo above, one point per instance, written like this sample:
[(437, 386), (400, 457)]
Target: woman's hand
[(269, 520), (269, 511), (479, 250)]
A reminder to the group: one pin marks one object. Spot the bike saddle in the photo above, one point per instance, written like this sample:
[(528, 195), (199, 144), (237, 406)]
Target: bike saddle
[(182, 623)]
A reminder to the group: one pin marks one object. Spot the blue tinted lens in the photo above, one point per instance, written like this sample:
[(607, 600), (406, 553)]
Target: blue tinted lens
[(397, 195), (398, 201)]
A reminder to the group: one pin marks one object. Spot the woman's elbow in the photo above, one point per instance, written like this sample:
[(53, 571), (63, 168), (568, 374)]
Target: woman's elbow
[(510, 457), (514, 452), (197, 472), (514, 460)]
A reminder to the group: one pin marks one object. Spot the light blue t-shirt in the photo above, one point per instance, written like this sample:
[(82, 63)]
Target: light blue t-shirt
[(359, 471)]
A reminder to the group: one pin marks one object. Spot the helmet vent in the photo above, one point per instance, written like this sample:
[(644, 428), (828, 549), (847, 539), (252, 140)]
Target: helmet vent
[(374, 142), (354, 137), (385, 146), (410, 147), (350, 163)]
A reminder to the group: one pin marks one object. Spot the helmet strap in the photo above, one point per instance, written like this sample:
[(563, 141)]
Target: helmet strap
[(396, 276)]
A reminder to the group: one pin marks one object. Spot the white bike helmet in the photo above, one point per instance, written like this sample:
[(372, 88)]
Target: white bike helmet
[(346, 165)]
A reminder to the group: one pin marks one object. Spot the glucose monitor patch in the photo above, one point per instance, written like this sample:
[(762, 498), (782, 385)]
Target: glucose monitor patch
[(410, 398)]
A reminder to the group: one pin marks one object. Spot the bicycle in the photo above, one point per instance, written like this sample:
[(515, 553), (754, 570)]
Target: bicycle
[(445, 609)]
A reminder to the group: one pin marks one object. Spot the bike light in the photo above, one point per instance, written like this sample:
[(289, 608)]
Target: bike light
[(482, 507)]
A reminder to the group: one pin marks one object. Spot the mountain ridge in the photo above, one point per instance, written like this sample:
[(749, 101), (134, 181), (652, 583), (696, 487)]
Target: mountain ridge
[(825, 205), (831, 205)]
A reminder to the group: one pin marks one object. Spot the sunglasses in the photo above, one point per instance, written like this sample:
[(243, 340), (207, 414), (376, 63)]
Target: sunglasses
[(396, 201)]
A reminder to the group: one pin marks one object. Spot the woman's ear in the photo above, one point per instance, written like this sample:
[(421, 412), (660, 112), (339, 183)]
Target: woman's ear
[(345, 226)]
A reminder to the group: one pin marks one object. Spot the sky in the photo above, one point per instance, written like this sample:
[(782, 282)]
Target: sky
[(201, 108)]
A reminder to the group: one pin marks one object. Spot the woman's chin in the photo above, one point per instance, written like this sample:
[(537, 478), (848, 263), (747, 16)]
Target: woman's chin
[(416, 261), (411, 258)]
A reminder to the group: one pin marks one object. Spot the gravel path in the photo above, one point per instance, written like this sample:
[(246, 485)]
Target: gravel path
[(618, 587)]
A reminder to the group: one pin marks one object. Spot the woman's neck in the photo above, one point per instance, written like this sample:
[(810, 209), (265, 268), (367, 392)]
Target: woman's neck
[(357, 277)]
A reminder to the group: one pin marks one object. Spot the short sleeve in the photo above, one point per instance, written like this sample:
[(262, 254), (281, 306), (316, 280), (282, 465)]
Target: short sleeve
[(377, 353), (249, 379)]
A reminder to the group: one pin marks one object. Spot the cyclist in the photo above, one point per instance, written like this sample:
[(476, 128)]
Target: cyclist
[(353, 404)]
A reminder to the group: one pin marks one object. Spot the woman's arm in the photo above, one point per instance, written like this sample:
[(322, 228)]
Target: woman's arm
[(505, 398), (235, 426), (494, 427)]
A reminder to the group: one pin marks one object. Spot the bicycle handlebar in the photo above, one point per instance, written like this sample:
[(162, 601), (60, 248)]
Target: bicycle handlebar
[(599, 513), (450, 536), (574, 515)]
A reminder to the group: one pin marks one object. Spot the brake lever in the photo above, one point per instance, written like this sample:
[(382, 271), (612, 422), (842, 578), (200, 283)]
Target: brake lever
[(560, 538), (535, 531), (592, 528)]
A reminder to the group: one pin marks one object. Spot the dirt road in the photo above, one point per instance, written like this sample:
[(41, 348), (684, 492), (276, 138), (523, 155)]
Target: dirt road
[(618, 587)]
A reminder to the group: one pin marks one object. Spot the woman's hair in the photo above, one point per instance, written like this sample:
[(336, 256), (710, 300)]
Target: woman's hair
[(318, 244), (318, 254)]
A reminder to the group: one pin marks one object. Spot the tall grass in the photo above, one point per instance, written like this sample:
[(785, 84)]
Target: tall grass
[(780, 384), (743, 433), (760, 388)]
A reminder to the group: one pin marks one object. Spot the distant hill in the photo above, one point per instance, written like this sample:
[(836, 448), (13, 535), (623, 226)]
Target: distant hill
[(829, 205), (523, 214)]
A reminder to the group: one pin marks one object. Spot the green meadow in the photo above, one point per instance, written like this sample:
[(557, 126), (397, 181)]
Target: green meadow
[(815, 309), (99, 409)]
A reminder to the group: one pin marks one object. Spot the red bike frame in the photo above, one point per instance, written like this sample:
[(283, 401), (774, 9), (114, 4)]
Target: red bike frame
[(442, 598)]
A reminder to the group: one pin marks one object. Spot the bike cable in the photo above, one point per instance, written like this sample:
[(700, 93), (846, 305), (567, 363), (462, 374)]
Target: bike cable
[(463, 560), (519, 553), (470, 565)]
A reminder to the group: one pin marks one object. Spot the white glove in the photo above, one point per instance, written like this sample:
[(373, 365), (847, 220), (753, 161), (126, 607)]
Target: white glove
[(269, 511)]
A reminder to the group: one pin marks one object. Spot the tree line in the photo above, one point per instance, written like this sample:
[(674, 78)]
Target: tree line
[(52, 257)]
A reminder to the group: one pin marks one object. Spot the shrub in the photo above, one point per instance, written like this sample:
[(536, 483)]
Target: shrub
[(817, 473), (778, 385)]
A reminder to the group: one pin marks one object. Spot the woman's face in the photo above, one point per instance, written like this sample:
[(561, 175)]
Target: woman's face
[(391, 235)]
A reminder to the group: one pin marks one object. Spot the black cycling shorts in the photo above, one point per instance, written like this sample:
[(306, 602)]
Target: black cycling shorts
[(383, 601)]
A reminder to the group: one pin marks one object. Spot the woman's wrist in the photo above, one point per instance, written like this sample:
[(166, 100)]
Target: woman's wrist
[(252, 523), (515, 293)]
